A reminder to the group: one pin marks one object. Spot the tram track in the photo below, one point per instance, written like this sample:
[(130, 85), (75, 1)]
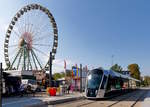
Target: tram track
[(129, 101), (126, 100), (140, 98), (110, 102)]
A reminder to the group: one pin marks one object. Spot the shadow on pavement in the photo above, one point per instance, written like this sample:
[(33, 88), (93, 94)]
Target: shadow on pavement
[(22, 102), (139, 94)]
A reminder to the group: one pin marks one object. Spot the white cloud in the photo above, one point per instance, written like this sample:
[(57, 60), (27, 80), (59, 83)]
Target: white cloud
[(58, 65), (3, 28)]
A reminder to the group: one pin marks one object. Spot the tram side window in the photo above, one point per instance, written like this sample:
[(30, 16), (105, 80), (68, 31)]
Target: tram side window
[(117, 83), (112, 84), (104, 82), (108, 87)]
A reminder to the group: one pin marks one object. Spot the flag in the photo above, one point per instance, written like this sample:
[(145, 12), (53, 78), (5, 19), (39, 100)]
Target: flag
[(72, 73), (86, 68), (64, 64), (77, 70)]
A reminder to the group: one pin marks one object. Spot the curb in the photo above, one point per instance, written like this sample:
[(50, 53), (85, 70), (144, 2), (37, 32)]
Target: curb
[(64, 100), (42, 104)]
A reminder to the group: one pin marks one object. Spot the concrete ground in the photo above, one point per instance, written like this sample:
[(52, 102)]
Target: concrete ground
[(146, 102), (37, 99), (139, 98)]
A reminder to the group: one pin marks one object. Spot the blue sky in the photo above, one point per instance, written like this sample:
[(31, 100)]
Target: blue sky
[(91, 31)]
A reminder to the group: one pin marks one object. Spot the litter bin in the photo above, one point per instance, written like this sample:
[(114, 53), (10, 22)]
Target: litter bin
[(52, 91)]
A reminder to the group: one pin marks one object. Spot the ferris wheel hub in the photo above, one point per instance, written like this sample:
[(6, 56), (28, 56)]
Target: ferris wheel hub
[(26, 40)]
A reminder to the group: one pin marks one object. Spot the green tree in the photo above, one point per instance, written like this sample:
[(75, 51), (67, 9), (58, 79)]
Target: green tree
[(146, 80), (62, 74), (69, 73), (116, 68), (134, 70), (57, 76)]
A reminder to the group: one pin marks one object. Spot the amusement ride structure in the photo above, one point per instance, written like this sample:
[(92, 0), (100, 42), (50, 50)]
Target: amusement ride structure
[(30, 37)]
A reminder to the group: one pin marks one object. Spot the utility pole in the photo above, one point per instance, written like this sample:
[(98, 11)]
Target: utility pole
[(65, 69), (112, 63), (80, 78), (50, 70), (1, 70)]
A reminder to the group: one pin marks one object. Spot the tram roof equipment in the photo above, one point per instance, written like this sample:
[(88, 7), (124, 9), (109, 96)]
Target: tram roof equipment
[(116, 74)]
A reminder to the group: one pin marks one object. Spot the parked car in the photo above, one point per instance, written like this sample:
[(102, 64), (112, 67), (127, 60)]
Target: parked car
[(30, 84)]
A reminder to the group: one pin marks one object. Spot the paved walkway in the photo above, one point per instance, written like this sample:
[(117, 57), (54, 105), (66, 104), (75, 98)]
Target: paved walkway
[(38, 99)]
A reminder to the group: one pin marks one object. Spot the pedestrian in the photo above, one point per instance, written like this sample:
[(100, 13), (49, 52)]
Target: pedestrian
[(68, 88), (71, 88), (22, 90)]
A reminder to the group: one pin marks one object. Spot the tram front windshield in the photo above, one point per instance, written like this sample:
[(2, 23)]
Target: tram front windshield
[(94, 79)]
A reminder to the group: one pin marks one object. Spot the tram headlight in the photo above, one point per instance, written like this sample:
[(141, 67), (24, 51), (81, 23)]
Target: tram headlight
[(89, 77), (96, 92)]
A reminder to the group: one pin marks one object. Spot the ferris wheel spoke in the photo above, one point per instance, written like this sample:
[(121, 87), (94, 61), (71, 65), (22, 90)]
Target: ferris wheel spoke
[(28, 22), (45, 34), (13, 50), (15, 59), (31, 28), (25, 51), (34, 60), (21, 24), (40, 20), (16, 33), (42, 35), (41, 38), (38, 30), (37, 59), (20, 58), (40, 51), (41, 45), (37, 26), (19, 28), (25, 23), (27, 60), (30, 61), (28, 25), (25, 27), (13, 45)]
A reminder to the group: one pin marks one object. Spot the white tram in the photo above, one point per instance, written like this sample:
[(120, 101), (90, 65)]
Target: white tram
[(105, 83)]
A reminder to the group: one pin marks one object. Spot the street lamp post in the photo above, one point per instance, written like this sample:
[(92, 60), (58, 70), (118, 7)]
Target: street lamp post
[(1, 69), (50, 70), (112, 63), (80, 77)]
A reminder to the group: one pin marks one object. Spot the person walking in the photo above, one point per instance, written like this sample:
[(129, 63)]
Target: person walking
[(68, 88), (22, 90)]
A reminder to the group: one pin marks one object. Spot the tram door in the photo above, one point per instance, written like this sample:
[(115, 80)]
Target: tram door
[(103, 87)]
